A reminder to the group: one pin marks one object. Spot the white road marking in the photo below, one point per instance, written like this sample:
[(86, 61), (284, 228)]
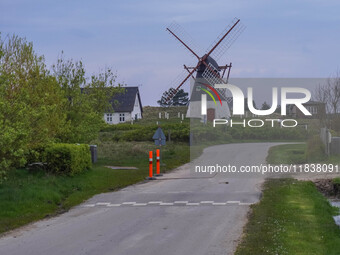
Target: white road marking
[(128, 203), (89, 205), (177, 192), (114, 205), (246, 203), (233, 202), (184, 203), (103, 203)]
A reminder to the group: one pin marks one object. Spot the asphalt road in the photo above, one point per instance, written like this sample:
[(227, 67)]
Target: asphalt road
[(180, 213)]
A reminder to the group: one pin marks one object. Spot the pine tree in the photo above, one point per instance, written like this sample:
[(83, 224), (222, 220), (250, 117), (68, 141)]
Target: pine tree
[(180, 99)]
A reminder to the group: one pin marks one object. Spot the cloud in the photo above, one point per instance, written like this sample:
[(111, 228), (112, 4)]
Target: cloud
[(283, 38)]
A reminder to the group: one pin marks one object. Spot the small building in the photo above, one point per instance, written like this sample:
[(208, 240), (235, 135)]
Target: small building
[(247, 112), (317, 109), (127, 107), (214, 110)]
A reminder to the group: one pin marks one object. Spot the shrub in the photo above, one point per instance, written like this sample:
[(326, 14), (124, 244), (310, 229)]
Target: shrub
[(68, 159), (315, 149), (335, 124), (120, 126)]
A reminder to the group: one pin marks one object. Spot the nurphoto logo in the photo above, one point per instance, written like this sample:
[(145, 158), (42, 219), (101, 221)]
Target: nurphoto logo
[(239, 99)]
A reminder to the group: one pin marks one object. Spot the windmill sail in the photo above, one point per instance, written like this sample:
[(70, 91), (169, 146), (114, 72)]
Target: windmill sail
[(184, 38), (226, 43), (174, 86), (210, 74), (207, 69)]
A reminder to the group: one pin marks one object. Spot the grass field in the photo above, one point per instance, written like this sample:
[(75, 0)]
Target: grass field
[(26, 197), (292, 218), (296, 154), (287, 154), (151, 115)]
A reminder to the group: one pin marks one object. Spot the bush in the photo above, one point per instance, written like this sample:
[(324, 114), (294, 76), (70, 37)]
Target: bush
[(68, 159), (335, 124), (127, 132), (315, 149), (180, 132), (120, 126), (267, 133)]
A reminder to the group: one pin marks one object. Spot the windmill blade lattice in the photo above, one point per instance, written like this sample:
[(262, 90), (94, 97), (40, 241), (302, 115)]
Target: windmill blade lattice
[(211, 76), (184, 36), (173, 86), (222, 48)]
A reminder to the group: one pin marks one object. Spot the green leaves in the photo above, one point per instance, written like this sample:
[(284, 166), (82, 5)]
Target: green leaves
[(68, 159), (87, 99), (181, 98), (38, 108)]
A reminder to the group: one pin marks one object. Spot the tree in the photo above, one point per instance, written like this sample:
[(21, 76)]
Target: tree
[(31, 102), (87, 99), (333, 92), (278, 109), (265, 106), (329, 93), (180, 99), (38, 108)]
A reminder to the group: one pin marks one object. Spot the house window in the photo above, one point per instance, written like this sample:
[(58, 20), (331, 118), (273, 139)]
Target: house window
[(309, 109), (312, 109), (109, 117), (122, 117)]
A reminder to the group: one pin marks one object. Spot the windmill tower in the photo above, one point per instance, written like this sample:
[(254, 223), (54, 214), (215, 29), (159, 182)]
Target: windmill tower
[(206, 73)]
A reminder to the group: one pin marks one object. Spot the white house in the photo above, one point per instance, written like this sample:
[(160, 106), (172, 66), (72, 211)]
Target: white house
[(127, 107)]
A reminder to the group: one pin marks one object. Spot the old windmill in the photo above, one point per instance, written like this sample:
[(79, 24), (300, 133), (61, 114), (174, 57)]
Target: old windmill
[(208, 71)]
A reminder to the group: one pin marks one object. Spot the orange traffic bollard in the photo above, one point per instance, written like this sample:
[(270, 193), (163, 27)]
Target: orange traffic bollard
[(158, 173), (150, 167)]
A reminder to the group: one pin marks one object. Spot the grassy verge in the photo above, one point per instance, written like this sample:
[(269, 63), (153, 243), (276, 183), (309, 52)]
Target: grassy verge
[(287, 154), (296, 154), (26, 197), (292, 218)]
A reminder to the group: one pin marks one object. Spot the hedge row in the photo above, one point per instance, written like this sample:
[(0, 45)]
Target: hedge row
[(181, 132), (128, 132), (68, 159)]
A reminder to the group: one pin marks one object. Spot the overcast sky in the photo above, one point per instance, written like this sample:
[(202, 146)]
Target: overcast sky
[(283, 39)]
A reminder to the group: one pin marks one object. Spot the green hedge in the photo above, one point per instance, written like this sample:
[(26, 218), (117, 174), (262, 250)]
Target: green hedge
[(68, 159), (181, 132), (136, 132)]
